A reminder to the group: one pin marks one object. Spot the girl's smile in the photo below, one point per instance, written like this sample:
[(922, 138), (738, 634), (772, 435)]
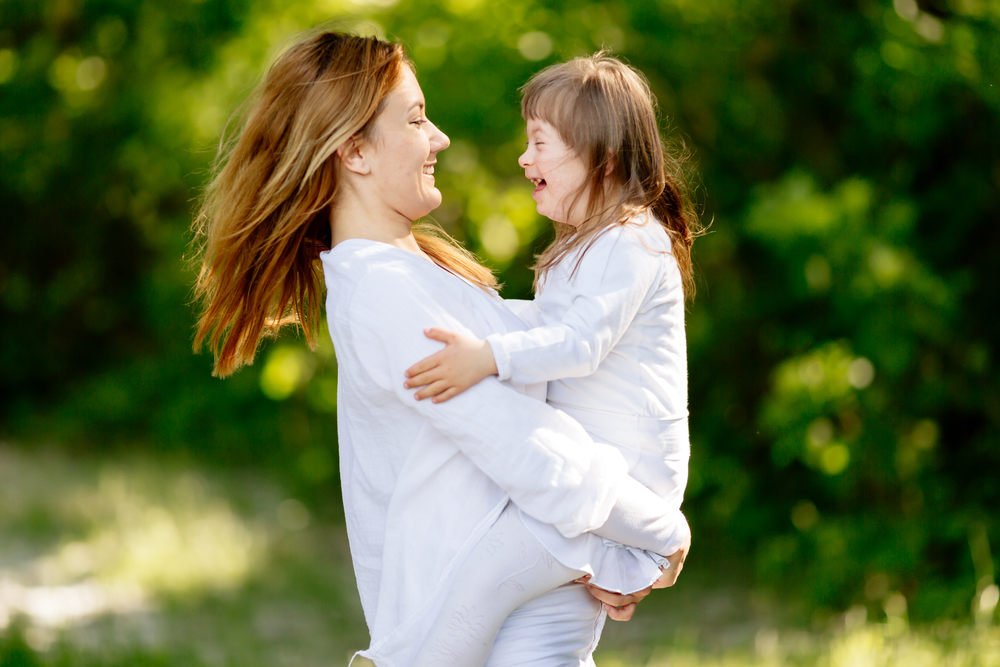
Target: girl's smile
[(558, 174)]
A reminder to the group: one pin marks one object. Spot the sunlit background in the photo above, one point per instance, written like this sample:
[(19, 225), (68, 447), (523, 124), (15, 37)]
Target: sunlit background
[(842, 346)]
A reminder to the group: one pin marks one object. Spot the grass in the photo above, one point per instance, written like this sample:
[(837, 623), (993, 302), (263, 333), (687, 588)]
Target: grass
[(144, 563)]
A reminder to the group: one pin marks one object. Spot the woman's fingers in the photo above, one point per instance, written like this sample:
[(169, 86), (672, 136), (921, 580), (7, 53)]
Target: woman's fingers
[(623, 613), (617, 599)]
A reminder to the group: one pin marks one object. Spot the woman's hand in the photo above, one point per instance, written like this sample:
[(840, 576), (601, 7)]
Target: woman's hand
[(619, 607), (622, 607), (462, 363)]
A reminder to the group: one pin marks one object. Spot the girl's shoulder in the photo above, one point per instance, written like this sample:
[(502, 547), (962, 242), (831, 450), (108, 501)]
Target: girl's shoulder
[(646, 230), (639, 236)]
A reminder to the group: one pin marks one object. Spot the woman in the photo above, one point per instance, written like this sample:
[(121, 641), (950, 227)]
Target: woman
[(337, 153)]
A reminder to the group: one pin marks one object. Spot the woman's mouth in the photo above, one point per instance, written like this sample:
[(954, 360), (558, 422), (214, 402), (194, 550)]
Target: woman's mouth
[(539, 184), (428, 170)]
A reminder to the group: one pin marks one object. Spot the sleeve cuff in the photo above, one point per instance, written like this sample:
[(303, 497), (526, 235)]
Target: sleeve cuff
[(500, 356)]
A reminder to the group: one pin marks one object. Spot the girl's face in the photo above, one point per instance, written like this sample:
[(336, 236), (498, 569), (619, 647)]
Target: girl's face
[(403, 152), (557, 172)]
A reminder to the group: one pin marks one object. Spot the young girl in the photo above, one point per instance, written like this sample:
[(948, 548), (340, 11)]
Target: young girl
[(607, 320)]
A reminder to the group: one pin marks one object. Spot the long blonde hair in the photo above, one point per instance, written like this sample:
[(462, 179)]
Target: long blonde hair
[(265, 216), (606, 114)]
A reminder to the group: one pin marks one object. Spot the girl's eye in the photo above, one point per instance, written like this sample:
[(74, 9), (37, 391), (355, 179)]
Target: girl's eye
[(419, 121)]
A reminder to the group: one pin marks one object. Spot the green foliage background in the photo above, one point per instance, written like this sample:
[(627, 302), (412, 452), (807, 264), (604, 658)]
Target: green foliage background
[(843, 344)]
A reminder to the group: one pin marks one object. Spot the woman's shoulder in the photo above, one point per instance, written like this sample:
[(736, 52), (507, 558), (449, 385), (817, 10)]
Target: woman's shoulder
[(369, 275), (357, 261), (362, 271)]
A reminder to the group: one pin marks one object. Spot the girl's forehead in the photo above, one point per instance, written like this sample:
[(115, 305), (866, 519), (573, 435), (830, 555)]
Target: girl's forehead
[(539, 126)]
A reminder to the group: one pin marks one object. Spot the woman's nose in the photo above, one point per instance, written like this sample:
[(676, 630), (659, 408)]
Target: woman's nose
[(439, 140)]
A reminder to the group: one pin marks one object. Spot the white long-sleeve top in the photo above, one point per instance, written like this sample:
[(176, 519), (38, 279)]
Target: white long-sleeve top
[(422, 482), (608, 335)]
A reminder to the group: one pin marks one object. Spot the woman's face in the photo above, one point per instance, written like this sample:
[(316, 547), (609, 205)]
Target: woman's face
[(403, 151), (557, 172)]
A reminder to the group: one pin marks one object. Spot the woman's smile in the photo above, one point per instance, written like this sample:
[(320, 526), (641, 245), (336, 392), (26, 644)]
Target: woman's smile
[(404, 152)]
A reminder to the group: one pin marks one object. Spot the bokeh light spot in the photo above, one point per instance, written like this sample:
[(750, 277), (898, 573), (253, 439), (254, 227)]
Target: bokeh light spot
[(499, 237), (535, 45), (817, 271), (286, 369), (924, 434), (804, 515), (989, 598), (860, 373), (834, 459), (293, 515), (90, 73), (820, 432), (8, 65)]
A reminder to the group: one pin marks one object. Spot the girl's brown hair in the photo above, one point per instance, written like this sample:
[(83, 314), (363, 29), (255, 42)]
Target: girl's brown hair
[(605, 112), (265, 216)]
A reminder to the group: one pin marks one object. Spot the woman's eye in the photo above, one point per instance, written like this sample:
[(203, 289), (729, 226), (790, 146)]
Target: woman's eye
[(419, 121)]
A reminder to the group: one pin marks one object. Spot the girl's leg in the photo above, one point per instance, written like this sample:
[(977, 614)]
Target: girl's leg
[(506, 569), (560, 628)]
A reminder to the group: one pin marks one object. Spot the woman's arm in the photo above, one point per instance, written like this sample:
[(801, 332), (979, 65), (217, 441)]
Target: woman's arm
[(541, 457)]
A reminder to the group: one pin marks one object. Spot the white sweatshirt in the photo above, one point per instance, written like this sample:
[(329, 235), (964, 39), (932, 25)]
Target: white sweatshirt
[(610, 336)]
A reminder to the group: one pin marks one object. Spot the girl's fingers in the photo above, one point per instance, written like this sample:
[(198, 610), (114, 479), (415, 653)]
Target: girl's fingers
[(424, 365), (448, 393), (422, 379), (431, 390), (442, 335)]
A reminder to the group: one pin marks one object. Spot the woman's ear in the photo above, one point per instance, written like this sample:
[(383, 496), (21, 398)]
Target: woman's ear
[(352, 155)]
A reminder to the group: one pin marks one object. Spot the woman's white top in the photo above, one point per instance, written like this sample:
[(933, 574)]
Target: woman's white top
[(608, 335), (421, 481)]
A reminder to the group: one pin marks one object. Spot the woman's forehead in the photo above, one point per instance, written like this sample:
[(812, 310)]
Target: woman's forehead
[(407, 94)]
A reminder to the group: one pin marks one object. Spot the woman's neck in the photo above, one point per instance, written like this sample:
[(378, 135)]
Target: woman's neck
[(351, 220)]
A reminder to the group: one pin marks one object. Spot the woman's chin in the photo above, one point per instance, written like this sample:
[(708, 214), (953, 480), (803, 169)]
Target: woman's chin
[(435, 201)]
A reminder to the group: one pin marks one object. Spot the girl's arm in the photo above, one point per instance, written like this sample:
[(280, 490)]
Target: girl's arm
[(615, 277), (607, 291), (527, 310)]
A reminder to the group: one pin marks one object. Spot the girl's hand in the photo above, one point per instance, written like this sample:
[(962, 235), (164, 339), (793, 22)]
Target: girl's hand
[(676, 560), (462, 363)]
